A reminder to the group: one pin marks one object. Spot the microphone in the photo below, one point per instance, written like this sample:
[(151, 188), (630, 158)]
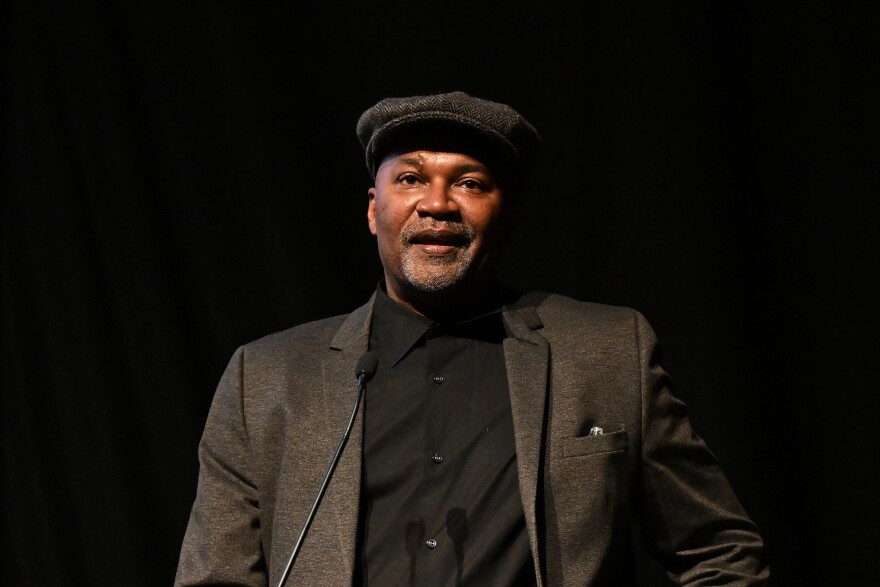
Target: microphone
[(364, 371), (366, 367)]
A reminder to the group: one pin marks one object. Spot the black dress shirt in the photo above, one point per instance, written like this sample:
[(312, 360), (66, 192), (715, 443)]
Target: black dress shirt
[(441, 503)]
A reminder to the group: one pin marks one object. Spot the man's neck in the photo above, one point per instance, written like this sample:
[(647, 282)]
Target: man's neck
[(452, 304)]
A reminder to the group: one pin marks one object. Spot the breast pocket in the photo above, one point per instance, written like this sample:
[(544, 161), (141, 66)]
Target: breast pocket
[(589, 493), (582, 446)]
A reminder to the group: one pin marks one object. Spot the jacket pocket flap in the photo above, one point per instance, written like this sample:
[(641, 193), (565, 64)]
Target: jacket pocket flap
[(589, 445)]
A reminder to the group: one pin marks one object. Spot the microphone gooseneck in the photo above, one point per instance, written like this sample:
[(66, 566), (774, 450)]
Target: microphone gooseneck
[(364, 371)]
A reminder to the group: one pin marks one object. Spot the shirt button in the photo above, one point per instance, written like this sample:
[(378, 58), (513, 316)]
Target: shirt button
[(437, 458), (438, 379), (431, 543)]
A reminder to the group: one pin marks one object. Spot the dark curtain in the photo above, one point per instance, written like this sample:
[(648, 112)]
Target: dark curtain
[(180, 179)]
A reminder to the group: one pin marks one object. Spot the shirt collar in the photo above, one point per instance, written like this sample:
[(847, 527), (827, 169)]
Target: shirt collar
[(397, 329)]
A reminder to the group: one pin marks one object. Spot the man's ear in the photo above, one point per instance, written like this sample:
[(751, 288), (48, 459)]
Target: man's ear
[(371, 210)]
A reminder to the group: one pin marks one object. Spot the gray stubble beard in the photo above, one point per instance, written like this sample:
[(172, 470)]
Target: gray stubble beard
[(432, 274)]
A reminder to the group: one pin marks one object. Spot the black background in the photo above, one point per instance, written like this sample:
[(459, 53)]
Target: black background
[(179, 180)]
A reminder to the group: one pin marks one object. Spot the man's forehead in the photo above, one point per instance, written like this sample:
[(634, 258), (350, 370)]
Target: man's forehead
[(420, 157), (418, 146)]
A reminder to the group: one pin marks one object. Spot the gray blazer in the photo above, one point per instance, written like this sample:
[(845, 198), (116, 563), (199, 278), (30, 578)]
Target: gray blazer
[(284, 401)]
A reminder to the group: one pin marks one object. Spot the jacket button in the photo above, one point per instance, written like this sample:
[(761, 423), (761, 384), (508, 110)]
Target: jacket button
[(438, 379), (431, 543), (437, 458)]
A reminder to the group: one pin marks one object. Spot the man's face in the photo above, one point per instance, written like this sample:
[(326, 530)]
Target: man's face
[(438, 220)]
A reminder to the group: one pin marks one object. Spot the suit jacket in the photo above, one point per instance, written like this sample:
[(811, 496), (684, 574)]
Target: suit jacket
[(284, 401)]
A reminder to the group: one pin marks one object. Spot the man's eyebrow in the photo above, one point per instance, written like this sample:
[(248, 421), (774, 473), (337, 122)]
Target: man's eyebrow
[(459, 169), (471, 167), (410, 161)]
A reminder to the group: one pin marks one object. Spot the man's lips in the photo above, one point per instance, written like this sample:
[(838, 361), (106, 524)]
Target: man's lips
[(440, 237), (439, 242)]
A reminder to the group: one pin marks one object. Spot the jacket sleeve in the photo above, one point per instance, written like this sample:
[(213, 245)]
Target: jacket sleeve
[(692, 521), (222, 545)]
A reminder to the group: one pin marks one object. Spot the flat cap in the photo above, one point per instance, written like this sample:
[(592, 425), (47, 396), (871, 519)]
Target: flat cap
[(497, 125)]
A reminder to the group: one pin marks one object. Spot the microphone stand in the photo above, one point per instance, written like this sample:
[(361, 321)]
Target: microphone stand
[(366, 367)]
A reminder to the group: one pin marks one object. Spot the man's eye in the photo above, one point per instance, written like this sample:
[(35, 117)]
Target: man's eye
[(471, 184), (408, 179)]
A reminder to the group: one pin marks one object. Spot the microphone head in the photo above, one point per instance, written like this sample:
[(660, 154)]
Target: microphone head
[(366, 366)]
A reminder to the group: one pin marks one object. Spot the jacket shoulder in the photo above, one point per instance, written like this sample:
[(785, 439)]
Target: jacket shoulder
[(310, 334), (556, 309), (564, 320), (301, 346), (304, 346)]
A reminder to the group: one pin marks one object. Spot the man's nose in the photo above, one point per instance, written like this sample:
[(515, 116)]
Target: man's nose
[(437, 201)]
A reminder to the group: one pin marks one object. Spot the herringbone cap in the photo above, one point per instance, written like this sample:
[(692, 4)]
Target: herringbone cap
[(500, 125)]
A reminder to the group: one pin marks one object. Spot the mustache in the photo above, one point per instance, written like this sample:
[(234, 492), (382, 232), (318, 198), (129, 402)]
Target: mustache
[(442, 232)]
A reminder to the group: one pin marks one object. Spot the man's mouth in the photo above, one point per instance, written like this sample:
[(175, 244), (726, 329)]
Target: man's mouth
[(439, 242)]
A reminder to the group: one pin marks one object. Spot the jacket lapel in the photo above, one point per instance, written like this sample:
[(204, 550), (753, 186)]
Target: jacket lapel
[(343, 493), (526, 354)]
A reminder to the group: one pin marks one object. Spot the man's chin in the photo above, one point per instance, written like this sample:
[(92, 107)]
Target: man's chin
[(435, 278), (433, 284)]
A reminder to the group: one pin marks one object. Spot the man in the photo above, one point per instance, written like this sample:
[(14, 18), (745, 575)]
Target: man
[(504, 440)]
